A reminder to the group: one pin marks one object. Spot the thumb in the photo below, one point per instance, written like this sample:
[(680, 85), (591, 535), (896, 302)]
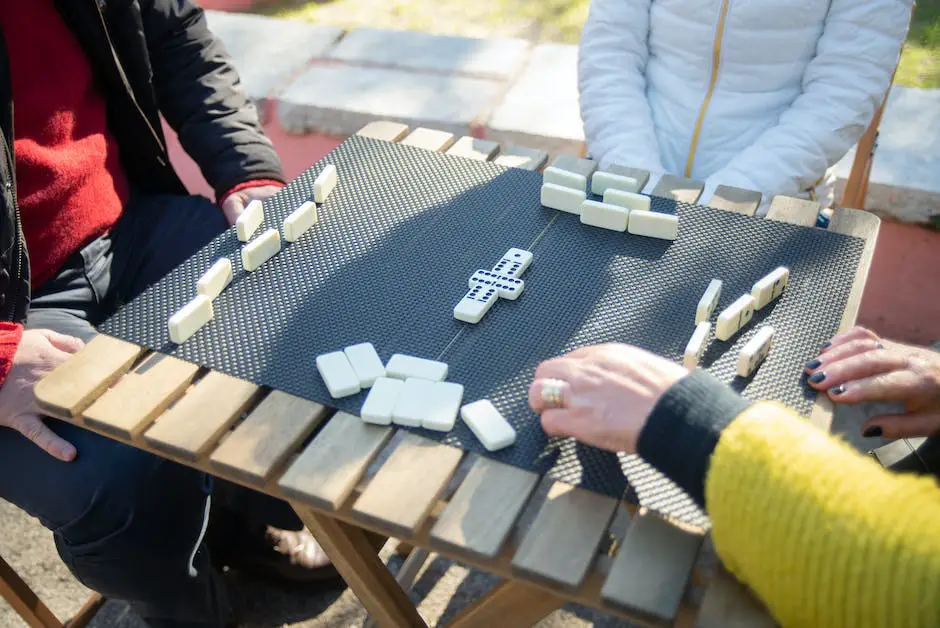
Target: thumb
[(233, 206), (905, 425), (32, 427), (68, 344)]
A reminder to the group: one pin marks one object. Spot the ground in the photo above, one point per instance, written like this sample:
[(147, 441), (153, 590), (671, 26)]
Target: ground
[(553, 20)]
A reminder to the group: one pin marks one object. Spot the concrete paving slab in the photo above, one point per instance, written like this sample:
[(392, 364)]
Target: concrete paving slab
[(341, 100), (269, 51), (541, 109), (412, 50)]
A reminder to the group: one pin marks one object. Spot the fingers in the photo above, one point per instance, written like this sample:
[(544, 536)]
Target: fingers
[(900, 385), (856, 333), (537, 394), (68, 344), (828, 374), (557, 368), (841, 352), (33, 428), (232, 207), (903, 425), (557, 422)]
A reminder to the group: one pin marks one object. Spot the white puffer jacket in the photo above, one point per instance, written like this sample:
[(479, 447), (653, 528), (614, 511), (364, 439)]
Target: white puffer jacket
[(758, 94)]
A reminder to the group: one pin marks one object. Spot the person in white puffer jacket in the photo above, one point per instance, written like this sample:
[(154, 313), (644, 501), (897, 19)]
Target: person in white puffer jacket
[(763, 95)]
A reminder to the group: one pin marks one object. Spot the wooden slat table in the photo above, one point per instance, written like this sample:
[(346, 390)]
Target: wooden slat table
[(553, 543)]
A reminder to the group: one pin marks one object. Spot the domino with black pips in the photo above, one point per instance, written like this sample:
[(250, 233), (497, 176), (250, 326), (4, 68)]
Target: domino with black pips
[(475, 304), (488, 425), (709, 301), (770, 287), (697, 345), (514, 263), (755, 351), (506, 287), (365, 362), (381, 401), (734, 317), (338, 374)]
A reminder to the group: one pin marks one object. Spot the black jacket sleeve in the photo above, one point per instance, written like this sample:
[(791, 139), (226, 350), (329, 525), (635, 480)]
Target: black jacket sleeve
[(199, 94)]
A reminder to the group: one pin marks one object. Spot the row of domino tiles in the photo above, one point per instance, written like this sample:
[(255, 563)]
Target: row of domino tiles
[(622, 208), (733, 318), (192, 316), (410, 392), (488, 286)]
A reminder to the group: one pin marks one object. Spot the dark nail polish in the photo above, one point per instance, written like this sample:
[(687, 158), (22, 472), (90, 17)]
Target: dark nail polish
[(838, 390), (825, 345), (871, 432), (817, 378), (813, 364)]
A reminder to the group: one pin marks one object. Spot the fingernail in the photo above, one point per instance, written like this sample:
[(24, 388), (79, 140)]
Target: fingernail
[(67, 452), (825, 345), (871, 432), (814, 364), (838, 390), (816, 378)]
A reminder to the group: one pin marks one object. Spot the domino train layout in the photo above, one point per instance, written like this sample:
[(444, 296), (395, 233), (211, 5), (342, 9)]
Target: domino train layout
[(411, 392), (487, 286)]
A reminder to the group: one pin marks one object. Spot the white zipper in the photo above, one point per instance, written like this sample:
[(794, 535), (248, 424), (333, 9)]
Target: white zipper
[(202, 534)]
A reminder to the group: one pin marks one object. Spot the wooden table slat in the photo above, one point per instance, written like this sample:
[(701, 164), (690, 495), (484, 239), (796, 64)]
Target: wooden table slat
[(642, 176), (406, 488), (652, 568), (797, 211), (135, 401), (562, 541), (679, 188), (509, 603), (327, 471), (584, 167), (730, 604), (522, 158), (735, 200), (384, 130), (197, 421), (269, 434), (473, 148), (429, 139), (78, 381), (481, 513)]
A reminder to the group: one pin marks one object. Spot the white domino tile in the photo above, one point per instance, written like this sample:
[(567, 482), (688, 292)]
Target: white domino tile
[(630, 200), (261, 249), (697, 344), (187, 321), (654, 225), (708, 302), (299, 221), (565, 178), (443, 407), (249, 220), (338, 374), (605, 216), (475, 304), (514, 263), (324, 183), (755, 351), (770, 287), (381, 401), (401, 366), (603, 181), (564, 199), (414, 402), (488, 425), (365, 362), (734, 317), (506, 287), (216, 279)]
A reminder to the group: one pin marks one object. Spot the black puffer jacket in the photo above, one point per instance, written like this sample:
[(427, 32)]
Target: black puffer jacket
[(149, 57)]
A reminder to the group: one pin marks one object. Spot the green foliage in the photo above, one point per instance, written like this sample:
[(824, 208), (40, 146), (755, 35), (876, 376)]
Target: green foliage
[(920, 59)]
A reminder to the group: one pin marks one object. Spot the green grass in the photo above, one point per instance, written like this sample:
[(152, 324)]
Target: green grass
[(554, 20)]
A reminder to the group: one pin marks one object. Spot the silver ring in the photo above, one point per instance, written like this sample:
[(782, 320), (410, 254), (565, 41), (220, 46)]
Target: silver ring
[(551, 392), (878, 345)]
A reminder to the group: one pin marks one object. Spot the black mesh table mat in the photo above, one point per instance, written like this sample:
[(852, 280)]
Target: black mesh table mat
[(391, 255)]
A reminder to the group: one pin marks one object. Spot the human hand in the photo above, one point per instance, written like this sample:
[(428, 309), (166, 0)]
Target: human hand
[(607, 394), (38, 353), (858, 366), (235, 203)]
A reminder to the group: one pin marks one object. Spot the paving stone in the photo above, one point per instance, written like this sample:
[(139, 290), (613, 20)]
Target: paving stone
[(493, 58), (341, 100), (541, 109), (269, 51)]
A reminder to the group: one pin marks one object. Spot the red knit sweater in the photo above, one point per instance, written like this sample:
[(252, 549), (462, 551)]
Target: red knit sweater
[(71, 187)]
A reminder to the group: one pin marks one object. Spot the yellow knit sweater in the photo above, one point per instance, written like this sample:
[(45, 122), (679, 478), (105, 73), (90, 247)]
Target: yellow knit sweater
[(824, 536)]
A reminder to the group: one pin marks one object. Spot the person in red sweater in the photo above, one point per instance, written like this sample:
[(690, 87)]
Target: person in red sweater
[(91, 214)]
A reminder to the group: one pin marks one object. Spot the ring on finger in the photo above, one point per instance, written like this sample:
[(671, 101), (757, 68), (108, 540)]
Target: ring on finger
[(552, 391)]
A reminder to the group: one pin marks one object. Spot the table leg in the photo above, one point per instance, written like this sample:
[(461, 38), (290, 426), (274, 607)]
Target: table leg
[(509, 603), (356, 560), (24, 601)]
